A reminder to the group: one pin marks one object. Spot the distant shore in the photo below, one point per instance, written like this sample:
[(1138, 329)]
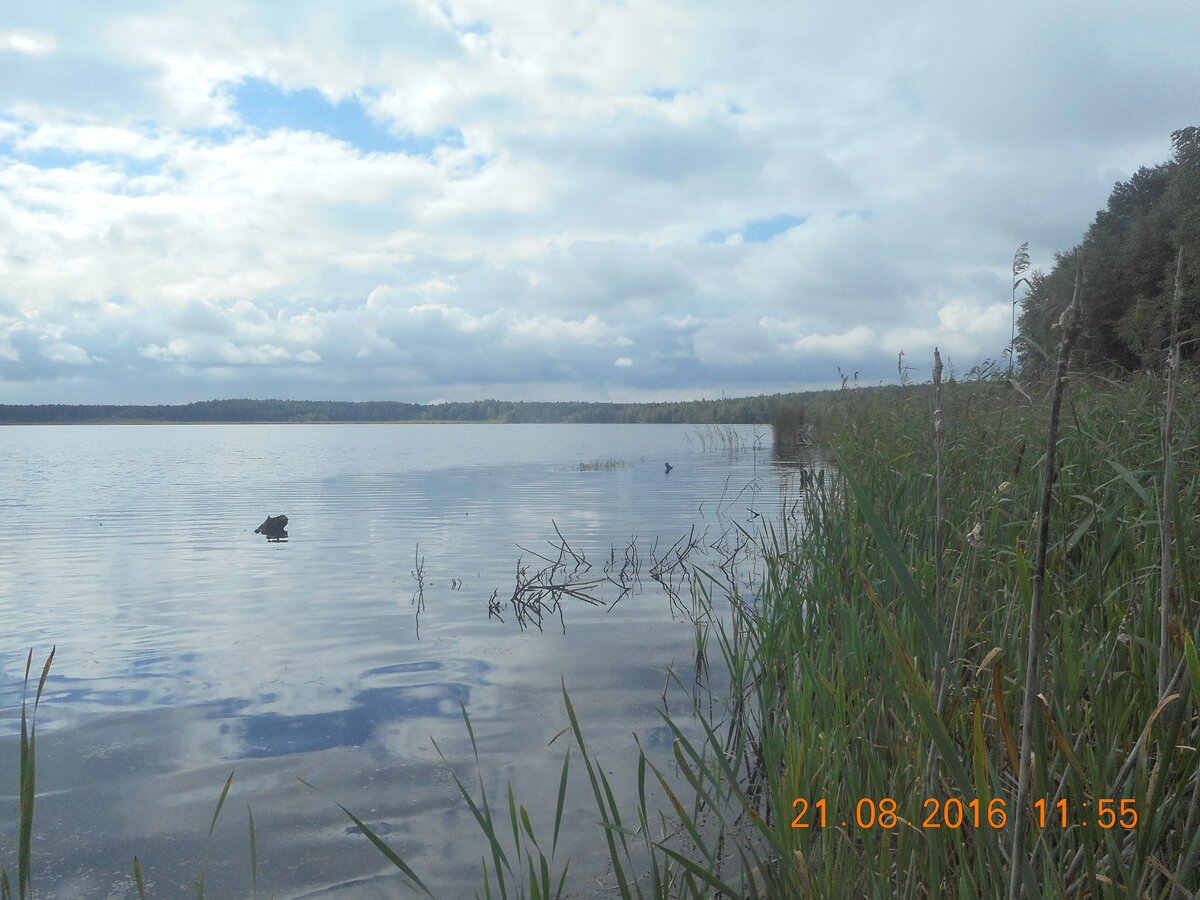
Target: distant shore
[(757, 410), (258, 422)]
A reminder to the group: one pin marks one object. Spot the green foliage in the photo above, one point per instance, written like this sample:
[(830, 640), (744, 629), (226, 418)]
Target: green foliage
[(845, 689), (740, 410), (27, 784), (1129, 263)]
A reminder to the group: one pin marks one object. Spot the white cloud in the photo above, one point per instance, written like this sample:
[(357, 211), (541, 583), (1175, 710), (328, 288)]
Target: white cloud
[(92, 139), (61, 351), (29, 43), (969, 316), (568, 181), (852, 343)]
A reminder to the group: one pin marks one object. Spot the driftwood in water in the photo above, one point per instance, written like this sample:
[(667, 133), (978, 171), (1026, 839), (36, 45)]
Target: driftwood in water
[(274, 528)]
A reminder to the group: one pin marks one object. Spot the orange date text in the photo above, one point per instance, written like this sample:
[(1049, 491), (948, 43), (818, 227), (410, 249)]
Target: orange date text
[(952, 812)]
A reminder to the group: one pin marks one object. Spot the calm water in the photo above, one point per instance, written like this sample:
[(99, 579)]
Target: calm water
[(190, 647)]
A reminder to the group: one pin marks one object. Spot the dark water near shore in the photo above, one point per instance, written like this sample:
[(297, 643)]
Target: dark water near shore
[(189, 647)]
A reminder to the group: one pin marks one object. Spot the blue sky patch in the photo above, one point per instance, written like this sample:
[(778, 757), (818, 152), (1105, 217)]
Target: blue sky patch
[(757, 232), (261, 104), (761, 232), (54, 158), (480, 28)]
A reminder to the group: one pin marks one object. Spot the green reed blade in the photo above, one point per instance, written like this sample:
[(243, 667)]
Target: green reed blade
[(528, 827), (560, 805), (253, 853), (685, 820), (618, 869), (42, 681), (535, 892), (220, 803), (512, 818), (983, 788), (1193, 664), (562, 881), (1132, 480), (387, 851), (908, 587), (483, 818), (704, 875), (919, 694), (27, 780)]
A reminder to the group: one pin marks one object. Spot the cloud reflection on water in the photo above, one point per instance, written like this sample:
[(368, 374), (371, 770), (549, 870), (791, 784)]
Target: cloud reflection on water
[(188, 648)]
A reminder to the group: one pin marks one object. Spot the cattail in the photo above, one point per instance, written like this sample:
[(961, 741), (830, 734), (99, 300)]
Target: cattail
[(975, 536)]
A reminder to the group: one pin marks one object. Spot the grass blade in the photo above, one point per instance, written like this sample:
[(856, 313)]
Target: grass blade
[(917, 603), (387, 851), (253, 853), (220, 803), (562, 799), (138, 880)]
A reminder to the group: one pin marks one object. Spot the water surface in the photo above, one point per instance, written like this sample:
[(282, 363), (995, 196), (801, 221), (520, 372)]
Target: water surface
[(317, 669)]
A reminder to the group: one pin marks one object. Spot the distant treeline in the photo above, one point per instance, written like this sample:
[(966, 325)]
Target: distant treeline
[(736, 411)]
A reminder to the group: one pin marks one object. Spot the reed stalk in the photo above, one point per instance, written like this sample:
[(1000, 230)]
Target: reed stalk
[(1069, 325), (27, 783), (1019, 267), (1169, 485), (833, 680), (844, 688), (939, 486)]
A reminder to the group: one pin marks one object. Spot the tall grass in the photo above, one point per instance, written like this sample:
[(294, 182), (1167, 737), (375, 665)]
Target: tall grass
[(1102, 730), (838, 768), (873, 739)]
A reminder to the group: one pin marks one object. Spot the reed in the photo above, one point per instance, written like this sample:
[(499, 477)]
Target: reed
[(602, 465), (865, 733), (870, 741), (27, 784), (1069, 325)]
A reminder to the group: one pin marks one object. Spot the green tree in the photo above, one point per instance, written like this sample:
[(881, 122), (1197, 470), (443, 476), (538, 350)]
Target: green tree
[(1128, 256)]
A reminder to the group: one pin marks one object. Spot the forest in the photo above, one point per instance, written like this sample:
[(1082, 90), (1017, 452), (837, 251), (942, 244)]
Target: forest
[(744, 410), (1128, 258)]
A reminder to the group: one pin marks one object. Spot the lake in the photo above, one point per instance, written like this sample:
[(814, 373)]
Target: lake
[(317, 669)]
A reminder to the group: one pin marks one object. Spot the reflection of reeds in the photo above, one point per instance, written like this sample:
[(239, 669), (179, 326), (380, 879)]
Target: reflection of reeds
[(602, 465), (791, 433)]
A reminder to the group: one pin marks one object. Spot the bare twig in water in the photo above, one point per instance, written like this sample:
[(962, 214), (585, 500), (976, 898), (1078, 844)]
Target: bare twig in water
[(672, 572), (540, 593), (418, 572)]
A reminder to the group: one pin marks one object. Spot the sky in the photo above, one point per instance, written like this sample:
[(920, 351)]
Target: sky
[(430, 200)]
